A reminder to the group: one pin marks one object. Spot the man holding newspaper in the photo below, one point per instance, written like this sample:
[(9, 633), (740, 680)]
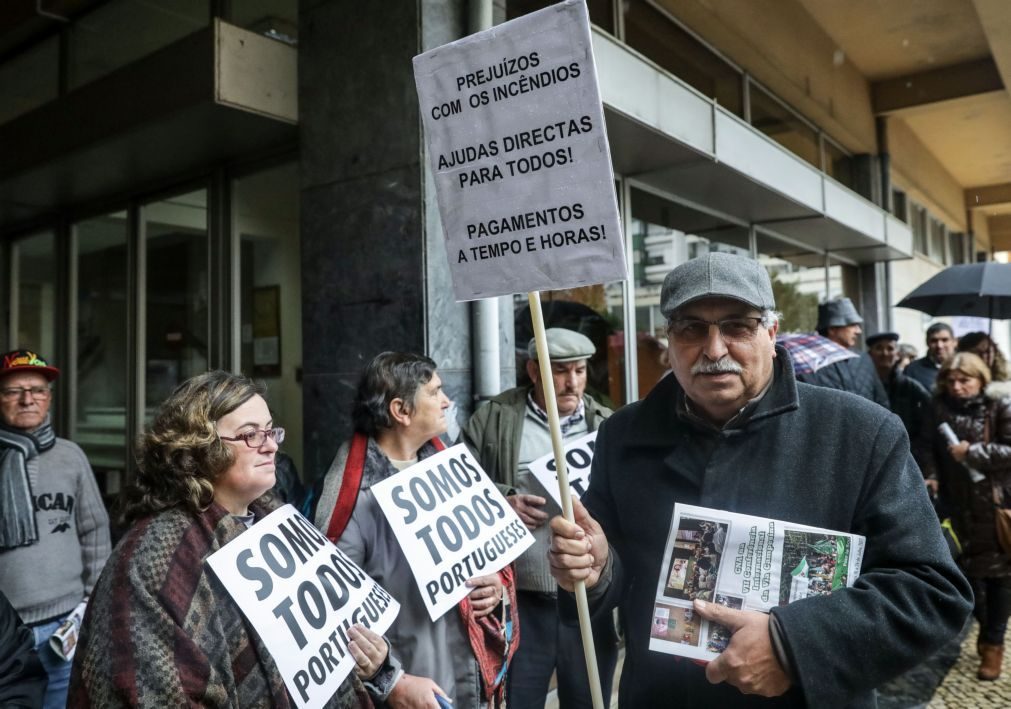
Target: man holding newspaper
[(733, 430)]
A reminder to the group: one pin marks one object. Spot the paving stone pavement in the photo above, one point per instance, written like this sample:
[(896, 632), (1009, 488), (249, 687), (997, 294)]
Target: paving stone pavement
[(945, 681)]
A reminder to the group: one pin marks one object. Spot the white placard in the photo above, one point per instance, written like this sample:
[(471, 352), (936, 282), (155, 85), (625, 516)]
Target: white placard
[(578, 459), (452, 524), (516, 140), (301, 594)]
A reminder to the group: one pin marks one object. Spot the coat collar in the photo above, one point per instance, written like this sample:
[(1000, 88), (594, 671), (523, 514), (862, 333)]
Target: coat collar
[(662, 412)]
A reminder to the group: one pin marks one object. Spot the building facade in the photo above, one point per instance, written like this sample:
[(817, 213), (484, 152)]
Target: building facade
[(203, 183)]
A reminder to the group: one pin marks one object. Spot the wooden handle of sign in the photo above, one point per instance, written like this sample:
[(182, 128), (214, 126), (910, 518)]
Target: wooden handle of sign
[(551, 404)]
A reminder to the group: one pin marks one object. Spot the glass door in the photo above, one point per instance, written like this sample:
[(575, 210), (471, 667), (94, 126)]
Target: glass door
[(174, 295)]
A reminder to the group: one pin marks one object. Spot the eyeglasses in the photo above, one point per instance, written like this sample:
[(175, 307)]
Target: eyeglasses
[(693, 331), (255, 439), (15, 393)]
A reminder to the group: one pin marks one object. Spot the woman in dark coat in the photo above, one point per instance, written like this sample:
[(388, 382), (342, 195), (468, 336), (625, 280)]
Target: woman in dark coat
[(979, 412)]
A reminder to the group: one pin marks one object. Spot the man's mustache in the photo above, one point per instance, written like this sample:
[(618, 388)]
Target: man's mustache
[(724, 365)]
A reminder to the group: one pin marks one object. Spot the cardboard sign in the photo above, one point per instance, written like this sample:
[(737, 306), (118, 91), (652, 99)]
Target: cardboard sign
[(301, 594), (578, 458), (516, 139), (452, 523)]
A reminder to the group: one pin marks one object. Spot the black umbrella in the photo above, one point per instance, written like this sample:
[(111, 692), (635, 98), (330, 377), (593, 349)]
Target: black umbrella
[(981, 290)]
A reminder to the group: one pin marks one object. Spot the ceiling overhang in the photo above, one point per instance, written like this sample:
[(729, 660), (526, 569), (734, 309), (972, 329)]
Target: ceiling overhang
[(669, 137), (950, 83), (186, 108)]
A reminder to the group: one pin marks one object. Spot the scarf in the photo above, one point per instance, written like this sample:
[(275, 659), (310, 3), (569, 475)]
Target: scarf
[(563, 423), (494, 640), (18, 527)]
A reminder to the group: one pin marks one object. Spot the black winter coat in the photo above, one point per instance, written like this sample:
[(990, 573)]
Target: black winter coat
[(804, 454), (971, 504)]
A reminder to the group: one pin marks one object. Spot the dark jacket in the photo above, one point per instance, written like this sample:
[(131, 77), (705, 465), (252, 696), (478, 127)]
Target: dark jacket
[(971, 504), (856, 375), (908, 400), (495, 430), (22, 677), (804, 454), (924, 370)]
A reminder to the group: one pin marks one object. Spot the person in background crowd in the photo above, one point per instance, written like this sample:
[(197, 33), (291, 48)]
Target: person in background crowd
[(161, 630), (979, 412), (983, 345), (840, 322), (940, 346), (399, 413), (54, 531), (907, 398), (732, 430), (22, 676), (288, 486), (907, 353), (506, 434)]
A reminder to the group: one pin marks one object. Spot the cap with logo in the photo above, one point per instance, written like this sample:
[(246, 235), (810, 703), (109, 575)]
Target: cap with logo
[(563, 345), (26, 361)]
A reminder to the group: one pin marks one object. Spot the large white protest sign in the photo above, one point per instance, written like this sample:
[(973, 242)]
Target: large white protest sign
[(452, 524), (302, 594), (515, 131), (578, 458)]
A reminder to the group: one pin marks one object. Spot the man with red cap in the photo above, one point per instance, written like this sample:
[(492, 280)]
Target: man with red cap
[(54, 530)]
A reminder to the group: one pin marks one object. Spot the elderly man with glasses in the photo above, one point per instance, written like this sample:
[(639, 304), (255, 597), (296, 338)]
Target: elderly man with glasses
[(733, 430), (54, 530)]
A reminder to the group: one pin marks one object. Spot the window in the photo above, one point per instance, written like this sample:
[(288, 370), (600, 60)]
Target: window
[(783, 125), (800, 280), (30, 79), (101, 346), (656, 35), (900, 208), (34, 295), (269, 337), (664, 234), (918, 224), (175, 294), (601, 11), (838, 164), (936, 239)]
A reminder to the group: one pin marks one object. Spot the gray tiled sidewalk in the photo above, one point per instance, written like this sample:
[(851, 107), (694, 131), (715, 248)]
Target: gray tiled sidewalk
[(946, 681)]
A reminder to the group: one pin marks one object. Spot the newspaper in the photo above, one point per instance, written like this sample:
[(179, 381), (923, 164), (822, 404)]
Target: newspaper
[(743, 562)]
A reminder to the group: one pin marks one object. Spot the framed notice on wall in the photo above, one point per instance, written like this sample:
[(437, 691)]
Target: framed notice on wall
[(267, 331)]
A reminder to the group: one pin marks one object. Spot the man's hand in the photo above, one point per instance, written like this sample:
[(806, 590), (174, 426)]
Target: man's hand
[(528, 507), (959, 451), (413, 692), (368, 648), (749, 662), (486, 595), (578, 551)]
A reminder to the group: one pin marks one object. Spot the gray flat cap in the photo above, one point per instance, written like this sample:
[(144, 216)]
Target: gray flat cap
[(717, 275), (838, 313), (881, 337), (563, 345)]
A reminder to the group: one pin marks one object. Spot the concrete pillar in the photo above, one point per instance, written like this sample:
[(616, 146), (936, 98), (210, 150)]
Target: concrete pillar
[(374, 272)]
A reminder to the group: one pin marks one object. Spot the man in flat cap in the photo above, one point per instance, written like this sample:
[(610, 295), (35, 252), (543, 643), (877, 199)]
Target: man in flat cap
[(907, 398), (506, 434), (54, 530), (839, 321), (733, 430)]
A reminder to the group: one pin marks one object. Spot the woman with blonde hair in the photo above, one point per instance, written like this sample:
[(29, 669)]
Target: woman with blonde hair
[(161, 630), (973, 475)]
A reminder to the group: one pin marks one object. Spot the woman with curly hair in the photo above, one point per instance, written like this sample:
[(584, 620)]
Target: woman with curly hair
[(161, 630), (981, 344)]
